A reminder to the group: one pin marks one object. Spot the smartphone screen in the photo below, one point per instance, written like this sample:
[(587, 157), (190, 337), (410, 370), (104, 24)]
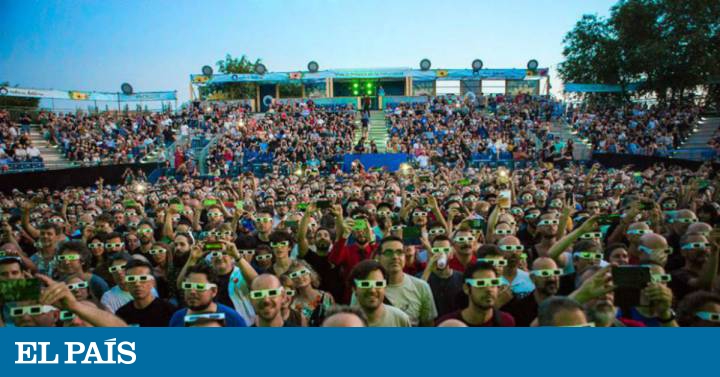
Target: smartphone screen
[(629, 282), (213, 246), (323, 204), (411, 235), (360, 224), (609, 219), (19, 290), (209, 202)]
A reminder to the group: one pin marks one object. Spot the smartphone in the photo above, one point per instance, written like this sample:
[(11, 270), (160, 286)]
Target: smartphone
[(629, 281), (129, 203), (411, 235), (477, 224), (322, 204), (19, 290), (209, 202), (302, 206), (609, 219), (464, 182), (293, 224), (703, 184), (213, 246), (360, 224)]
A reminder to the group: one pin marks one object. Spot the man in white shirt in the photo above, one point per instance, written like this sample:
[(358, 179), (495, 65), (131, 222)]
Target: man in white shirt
[(369, 282)]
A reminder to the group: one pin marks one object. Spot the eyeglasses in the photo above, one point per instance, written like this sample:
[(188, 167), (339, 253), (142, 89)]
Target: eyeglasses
[(68, 257), (547, 272), (469, 199), (145, 230), (419, 214), (396, 227), (685, 220), (299, 273), (77, 286), (708, 316), (532, 216), (638, 232), (157, 251), (263, 257), (262, 293), (516, 211), (511, 247), (650, 251), (289, 292), (197, 286), (591, 235), (66, 315), (589, 324), (138, 278), (464, 239), (116, 268), (215, 214), (32, 310), (192, 318), (503, 232), (276, 245), (264, 219), (187, 212), (331, 196), (496, 262), (436, 231), (436, 250), (555, 204), (367, 284), (216, 254), (384, 213), (389, 253), (548, 222), (661, 278), (96, 245), (484, 283), (588, 255), (114, 245), (246, 252), (696, 245), (56, 220)]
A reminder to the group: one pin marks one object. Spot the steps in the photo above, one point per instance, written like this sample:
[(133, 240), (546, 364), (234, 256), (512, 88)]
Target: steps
[(51, 155), (377, 131), (564, 131), (695, 147)]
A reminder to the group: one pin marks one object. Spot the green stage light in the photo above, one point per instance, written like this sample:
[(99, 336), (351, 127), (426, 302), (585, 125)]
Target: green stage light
[(369, 85), (355, 92), (355, 85), (369, 92)]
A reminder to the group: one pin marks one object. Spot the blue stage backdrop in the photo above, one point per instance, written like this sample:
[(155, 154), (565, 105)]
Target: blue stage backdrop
[(389, 161)]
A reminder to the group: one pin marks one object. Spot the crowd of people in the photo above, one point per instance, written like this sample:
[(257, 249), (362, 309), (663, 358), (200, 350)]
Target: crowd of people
[(641, 129), (437, 246), (15, 143)]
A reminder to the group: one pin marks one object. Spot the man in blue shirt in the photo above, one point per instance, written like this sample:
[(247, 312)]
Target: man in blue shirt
[(200, 289)]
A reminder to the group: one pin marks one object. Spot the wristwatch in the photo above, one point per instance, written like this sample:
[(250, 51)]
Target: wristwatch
[(669, 319)]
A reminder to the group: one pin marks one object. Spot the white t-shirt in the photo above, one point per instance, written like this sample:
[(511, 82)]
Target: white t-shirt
[(414, 297), (393, 317)]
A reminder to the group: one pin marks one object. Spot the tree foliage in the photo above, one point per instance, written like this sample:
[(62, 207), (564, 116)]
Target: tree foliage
[(229, 91), (673, 46)]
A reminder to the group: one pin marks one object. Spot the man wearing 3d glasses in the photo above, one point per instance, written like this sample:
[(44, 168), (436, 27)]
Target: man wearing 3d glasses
[(546, 277), (481, 287), (369, 283), (701, 264), (267, 295), (145, 309), (200, 289)]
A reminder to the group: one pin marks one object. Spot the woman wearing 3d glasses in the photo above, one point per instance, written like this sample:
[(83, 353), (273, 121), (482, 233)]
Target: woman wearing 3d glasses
[(309, 300)]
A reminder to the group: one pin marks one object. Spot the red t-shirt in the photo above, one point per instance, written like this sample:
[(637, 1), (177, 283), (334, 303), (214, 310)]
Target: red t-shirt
[(504, 319), (346, 257), (455, 264)]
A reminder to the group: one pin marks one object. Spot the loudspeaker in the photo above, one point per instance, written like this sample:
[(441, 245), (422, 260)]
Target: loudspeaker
[(207, 70), (532, 64), (425, 64), (476, 65), (313, 66), (126, 89), (260, 69)]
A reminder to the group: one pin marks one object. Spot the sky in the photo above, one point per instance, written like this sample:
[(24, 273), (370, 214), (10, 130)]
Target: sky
[(157, 44)]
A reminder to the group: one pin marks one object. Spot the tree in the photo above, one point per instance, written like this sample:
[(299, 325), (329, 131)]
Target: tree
[(232, 65)]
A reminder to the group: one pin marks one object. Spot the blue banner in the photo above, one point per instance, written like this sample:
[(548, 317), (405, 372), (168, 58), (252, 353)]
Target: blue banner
[(84, 95), (334, 352), (600, 88), (390, 161)]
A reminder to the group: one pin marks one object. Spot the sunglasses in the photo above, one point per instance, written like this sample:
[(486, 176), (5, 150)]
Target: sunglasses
[(638, 232), (246, 252), (367, 284), (77, 286), (503, 232), (275, 245), (299, 273), (511, 247), (262, 293), (138, 278), (436, 250), (389, 253), (496, 262), (547, 272), (114, 245), (483, 283), (96, 245), (66, 315), (591, 235), (464, 239), (660, 278), (68, 257), (157, 251), (420, 214), (588, 255), (696, 245), (708, 316), (548, 222), (650, 251), (264, 219), (32, 310), (263, 257), (197, 286), (116, 268)]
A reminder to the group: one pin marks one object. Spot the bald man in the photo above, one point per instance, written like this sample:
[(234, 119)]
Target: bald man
[(266, 294), (654, 249), (545, 275), (512, 249), (633, 234), (452, 323), (701, 265), (345, 317), (703, 229), (679, 224)]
